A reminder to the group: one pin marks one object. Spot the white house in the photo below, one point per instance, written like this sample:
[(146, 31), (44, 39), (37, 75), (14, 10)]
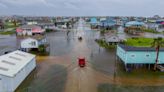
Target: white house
[(114, 39), (14, 68), (30, 43), (29, 30)]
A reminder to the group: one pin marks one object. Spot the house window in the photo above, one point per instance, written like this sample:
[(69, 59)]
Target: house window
[(147, 55), (33, 43), (28, 30), (132, 55)]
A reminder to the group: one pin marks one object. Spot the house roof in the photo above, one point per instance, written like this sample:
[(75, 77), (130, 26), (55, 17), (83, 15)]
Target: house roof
[(93, 20), (134, 23), (113, 39), (28, 39), (12, 63), (131, 48), (29, 26)]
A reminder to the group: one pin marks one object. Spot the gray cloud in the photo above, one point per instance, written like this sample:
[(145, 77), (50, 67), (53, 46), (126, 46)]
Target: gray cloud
[(83, 7)]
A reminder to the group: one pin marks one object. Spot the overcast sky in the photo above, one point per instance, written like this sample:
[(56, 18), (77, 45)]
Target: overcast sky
[(82, 7)]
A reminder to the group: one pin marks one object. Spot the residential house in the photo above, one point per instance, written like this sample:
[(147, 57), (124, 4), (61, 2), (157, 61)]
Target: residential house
[(32, 43), (157, 25), (139, 56), (94, 22), (113, 39), (134, 27), (29, 30), (108, 23)]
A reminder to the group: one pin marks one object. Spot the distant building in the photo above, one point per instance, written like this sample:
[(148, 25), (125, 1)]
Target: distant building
[(108, 23), (156, 25), (133, 56), (29, 30), (94, 22), (134, 27), (156, 17), (14, 68), (134, 23)]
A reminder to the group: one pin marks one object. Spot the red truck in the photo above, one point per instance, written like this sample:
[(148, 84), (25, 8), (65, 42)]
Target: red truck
[(82, 62)]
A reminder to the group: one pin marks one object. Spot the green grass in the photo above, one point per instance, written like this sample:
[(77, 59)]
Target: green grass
[(45, 53), (139, 42), (150, 31), (7, 32), (10, 25)]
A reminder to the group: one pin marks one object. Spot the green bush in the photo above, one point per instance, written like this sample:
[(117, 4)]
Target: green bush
[(49, 30)]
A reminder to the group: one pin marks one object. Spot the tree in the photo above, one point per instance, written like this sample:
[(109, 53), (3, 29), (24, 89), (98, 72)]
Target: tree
[(67, 24), (157, 43), (14, 23), (42, 48)]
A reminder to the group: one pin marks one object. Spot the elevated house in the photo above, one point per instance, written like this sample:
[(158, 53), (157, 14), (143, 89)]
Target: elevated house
[(14, 68), (113, 39), (156, 25), (29, 30), (124, 20), (160, 25), (32, 43), (94, 22), (134, 27), (108, 24), (135, 57)]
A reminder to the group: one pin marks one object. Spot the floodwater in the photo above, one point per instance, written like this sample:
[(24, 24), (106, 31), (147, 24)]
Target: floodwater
[(60, 72), (7, 43)]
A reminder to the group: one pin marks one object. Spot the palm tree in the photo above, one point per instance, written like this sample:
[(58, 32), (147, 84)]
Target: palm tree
[(157, 43)]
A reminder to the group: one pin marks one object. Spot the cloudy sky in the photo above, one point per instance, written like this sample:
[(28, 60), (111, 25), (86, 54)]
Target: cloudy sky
[(82, 7)]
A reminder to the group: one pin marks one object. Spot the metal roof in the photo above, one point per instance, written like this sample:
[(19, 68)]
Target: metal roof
[(134, 23), (29, 26), (131, 48), (12, 63)]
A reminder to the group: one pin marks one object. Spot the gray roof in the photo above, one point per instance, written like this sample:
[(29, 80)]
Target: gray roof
[(131, 48), (29, 26)]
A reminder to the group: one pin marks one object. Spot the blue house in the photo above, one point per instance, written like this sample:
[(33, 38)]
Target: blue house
[(106, 23), (124, 20), (94, 21), (139, 55)]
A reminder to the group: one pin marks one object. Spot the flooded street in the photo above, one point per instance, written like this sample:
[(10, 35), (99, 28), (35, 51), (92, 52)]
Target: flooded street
[(60, 72)]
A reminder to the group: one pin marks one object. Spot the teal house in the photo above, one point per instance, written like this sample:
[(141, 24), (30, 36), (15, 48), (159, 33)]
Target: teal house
[(93, 21), (143, 56)]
